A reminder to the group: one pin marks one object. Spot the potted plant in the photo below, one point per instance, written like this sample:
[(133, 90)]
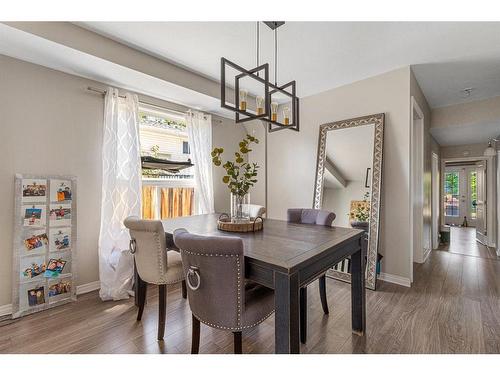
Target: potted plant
[(362, 214), (240, 177)]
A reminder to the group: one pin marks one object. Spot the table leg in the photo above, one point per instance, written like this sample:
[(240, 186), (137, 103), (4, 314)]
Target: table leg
[(358, 293), (286, 319)]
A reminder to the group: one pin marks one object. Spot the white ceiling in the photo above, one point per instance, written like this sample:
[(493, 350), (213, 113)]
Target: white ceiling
[(28, 47), (351, 152), (449, 56)]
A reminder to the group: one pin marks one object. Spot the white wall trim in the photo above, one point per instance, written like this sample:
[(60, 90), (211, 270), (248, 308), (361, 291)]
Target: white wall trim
[(80, 289), (89, 287), (6, 310), (394, 279)]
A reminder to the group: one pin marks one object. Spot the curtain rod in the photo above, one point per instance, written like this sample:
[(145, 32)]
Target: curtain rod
[(103, 92)]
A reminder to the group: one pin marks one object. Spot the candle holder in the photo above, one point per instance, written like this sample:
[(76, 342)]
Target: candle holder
[(259, 104), (243, 99), (274, 111), (286, 115)]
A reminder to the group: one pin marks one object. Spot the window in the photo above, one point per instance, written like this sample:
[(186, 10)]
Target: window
[(451, 194), (165, 194)]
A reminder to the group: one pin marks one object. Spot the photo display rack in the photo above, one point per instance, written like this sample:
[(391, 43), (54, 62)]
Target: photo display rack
[(44, 246)]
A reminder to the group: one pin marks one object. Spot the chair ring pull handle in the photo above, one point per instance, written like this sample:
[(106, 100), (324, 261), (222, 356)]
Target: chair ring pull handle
[(132, 246), (193, 271)]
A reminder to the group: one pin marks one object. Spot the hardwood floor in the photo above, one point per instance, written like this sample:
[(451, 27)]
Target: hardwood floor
[(453, 307), (463, 241)]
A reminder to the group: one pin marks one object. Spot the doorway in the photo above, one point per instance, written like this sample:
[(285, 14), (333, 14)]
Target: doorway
[(435, 200), (420, 232), (464, 188)]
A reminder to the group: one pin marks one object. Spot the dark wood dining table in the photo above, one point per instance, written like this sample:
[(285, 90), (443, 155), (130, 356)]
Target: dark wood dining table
[(286, 256)]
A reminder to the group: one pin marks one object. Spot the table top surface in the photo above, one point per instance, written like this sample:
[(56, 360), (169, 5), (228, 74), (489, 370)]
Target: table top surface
[(280, 243)]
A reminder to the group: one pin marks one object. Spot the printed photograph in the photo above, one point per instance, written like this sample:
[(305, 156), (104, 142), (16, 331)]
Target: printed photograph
[(36, 296), (60, 239), (54, 268), (33, 215), (36, 241), (61, 287), (60, 215), (34, 190), (32, 267), (60, 190)]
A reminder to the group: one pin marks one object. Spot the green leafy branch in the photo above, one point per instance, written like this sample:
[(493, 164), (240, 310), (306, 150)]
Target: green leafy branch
[(240, 176)]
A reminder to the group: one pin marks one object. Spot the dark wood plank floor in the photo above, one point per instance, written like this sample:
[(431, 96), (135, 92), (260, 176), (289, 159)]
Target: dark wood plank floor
[(453, 307)]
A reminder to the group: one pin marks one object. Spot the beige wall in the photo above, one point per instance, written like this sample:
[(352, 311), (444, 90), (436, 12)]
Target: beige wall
[(471, 113), (476, 149), (50, 124), (292, 156)]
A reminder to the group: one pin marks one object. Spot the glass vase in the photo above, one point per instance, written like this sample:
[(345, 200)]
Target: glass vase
[(240, 210)]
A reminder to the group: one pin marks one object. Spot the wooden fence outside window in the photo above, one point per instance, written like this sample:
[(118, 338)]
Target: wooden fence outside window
[(167, 202)]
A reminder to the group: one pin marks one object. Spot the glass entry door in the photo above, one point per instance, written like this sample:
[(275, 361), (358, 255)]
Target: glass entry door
[(460, 195)]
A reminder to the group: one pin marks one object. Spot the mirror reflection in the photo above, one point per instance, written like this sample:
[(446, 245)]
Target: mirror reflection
[(348, 175)]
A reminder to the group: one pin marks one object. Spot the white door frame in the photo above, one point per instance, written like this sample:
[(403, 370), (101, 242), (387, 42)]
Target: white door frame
[(491, 193), (435, 196), (416, 184)]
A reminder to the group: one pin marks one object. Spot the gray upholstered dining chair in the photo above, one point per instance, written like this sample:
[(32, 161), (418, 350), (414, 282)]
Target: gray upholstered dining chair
[(218, 294), (316, 217), (255, 210), (154, 264)]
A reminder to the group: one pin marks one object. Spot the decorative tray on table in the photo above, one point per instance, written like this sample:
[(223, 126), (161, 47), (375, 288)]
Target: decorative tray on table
[(252, 225)]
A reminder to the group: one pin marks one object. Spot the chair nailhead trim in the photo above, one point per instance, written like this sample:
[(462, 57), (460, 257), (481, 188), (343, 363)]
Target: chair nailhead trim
[(236, 328)]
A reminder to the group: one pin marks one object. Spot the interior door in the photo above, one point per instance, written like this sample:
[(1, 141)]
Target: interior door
[(480, 204)]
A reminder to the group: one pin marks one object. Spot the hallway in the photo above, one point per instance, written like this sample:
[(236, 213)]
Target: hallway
[(463, 241)]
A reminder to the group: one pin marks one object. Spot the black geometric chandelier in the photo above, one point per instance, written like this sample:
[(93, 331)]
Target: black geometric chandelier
[(256, 97)]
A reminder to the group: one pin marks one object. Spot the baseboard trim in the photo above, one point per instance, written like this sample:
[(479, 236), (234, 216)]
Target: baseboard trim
[(80, 289), (6, 309), (89, 287), (394, 279)]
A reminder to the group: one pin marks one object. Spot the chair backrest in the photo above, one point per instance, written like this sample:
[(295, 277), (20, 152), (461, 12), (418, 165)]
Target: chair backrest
[(214, 270), (148, 245), (310, 216), (255, 210)]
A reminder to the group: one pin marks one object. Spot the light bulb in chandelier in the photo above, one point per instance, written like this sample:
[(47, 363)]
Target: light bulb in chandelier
[(259, 104), (286, 115), (243, 99), (274, 111)]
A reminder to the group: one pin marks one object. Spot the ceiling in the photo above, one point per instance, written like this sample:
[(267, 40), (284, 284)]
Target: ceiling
[(28, 47), (448, 56), (467, 134), (351, 152)]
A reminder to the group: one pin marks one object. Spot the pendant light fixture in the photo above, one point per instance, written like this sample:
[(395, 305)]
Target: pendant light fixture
[(490, 150), (277, 105)]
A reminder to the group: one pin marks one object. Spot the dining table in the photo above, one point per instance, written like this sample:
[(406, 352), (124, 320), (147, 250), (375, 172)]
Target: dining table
[(286, 256)]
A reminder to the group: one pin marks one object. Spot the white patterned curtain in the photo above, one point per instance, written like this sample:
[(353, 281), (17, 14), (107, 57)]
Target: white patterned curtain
[(121, 193), (199, 127)]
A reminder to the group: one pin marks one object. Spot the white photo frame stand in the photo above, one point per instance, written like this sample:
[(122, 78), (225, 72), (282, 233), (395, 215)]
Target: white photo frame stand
[(45, 243)]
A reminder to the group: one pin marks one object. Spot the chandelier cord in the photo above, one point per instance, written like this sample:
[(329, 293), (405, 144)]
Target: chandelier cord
[(276, 56), (258, 45)]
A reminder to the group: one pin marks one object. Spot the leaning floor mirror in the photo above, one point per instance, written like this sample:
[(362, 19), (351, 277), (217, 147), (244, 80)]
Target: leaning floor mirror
[(349, 182)]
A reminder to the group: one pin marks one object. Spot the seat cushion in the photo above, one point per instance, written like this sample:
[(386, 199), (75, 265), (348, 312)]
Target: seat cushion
[(174, 272), (259, 304)]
